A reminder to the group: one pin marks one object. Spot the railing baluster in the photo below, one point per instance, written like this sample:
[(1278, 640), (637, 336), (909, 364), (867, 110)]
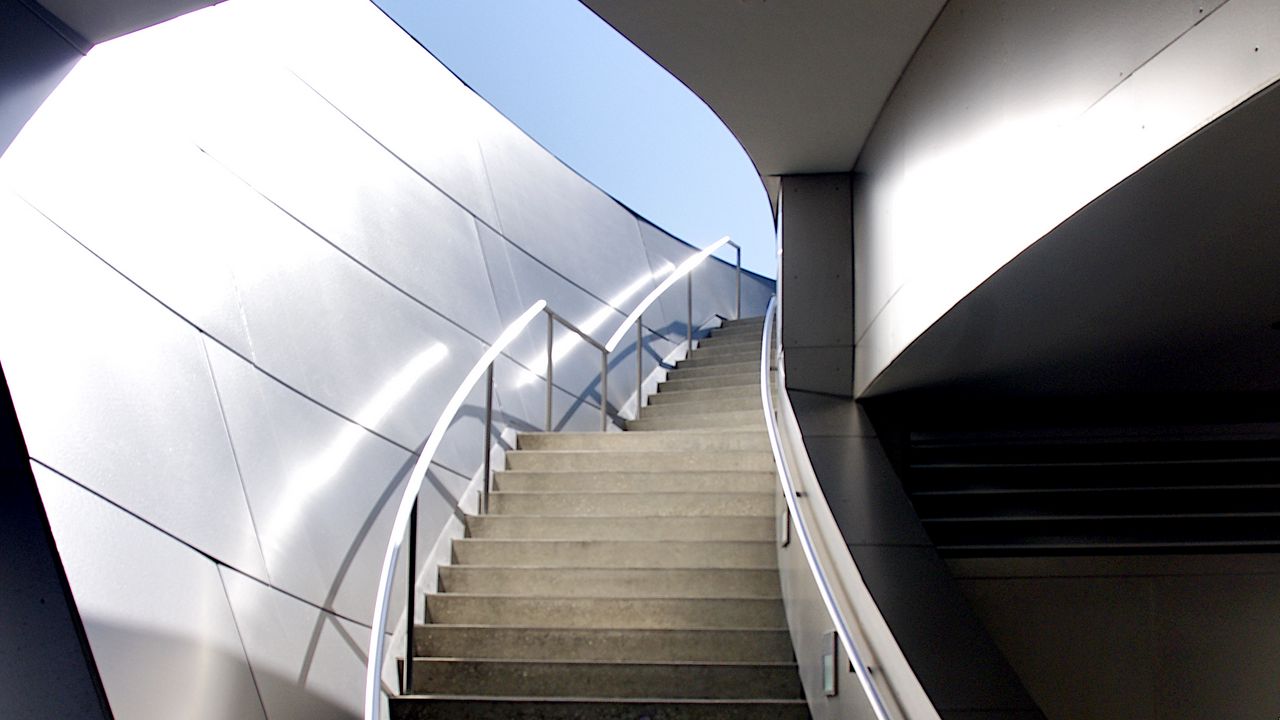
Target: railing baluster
[(604, 390), (737, 308), (551, 326), (487, 478), (689, 307), (409, 609), (639, 362)]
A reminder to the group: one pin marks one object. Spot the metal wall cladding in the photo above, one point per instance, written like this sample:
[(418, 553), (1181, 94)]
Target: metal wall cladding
[(323, 489), (383, 81), (114, 390), (154, 609), (307, 663), (714, 284), (534, 192), (243, 287)]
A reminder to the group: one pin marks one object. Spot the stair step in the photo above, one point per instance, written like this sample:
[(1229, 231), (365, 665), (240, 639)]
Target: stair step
[(571, 460), (605, 612), (615, 553), (745, 340), (609, 582), (646, 504), (684, 441), (509, 708), (717, 370), (696, 396), (638, 481), (606, 679), (604, 644), (757, 321), (733, 419), (738, 381), (708, 359), (559, 527), (725, 404)]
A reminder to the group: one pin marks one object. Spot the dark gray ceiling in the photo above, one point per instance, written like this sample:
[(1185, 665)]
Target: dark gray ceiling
[(101, 20), (799, 82), (1168, 284)]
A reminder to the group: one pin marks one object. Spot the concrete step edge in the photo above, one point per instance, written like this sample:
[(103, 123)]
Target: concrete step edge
[(599, 700)]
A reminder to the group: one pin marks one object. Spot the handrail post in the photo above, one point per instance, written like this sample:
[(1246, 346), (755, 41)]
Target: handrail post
[(604, 390), (737, 308), (486, 479), (551, 326), (639, 362), (689, 307), (409, 609)]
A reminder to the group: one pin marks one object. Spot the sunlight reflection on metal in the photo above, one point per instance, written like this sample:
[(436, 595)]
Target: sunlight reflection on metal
[(311, 478), (408, 500), (568, 341), (681, 270)]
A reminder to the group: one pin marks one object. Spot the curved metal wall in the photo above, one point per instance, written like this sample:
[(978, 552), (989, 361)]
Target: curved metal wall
[(1012, 116), (245, 256)]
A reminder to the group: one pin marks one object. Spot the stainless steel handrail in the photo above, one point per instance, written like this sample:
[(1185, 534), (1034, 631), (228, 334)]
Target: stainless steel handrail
[(838, 620), (406, 512), (636, 316), (409, 503), (552, 318)]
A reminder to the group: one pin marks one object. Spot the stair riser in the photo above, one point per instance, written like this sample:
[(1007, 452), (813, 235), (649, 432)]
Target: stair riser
[(651, 462), (633, 504), (606, 612), (620, 554), (636, 482), (414, 708), (750, 368), (744, 341), (743, 419), (506, 678), (676, 442), (738, 404), (695, 396), (748, 529), (710, 359), (602, 644), (609, 582), (737, 382), (737, 323)]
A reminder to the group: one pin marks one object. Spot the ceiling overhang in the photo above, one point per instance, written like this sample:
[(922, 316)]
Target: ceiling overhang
[(799, 83)]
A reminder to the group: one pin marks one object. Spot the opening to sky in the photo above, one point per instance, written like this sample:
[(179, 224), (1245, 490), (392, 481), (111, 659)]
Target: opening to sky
[(606, 110)]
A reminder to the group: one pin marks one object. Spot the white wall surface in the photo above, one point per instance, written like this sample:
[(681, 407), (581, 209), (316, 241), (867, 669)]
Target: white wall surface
[(1013, 115), (245, 257)]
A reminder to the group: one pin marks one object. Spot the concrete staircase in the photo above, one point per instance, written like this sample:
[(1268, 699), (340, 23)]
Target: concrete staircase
[(623, 575)]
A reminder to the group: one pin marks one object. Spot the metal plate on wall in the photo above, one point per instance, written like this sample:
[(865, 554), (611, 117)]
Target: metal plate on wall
[(115, 391), (152, 607)]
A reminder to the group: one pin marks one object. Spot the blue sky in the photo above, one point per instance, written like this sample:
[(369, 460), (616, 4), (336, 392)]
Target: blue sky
[(603, 107)]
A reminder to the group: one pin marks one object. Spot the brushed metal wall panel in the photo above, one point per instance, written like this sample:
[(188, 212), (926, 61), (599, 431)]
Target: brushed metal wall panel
[(307, 663), (288, 143), (552, 213), (323, 490), (141, 197), (665, 253), (154, 610), (114, 390), (384, 82), (339, 334)]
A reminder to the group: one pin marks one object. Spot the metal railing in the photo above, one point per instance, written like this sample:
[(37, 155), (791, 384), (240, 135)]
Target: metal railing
[(405, 525), (802, 533), (684, 269)]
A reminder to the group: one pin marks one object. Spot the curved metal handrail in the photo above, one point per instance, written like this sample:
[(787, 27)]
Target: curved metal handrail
[(405, 512), (681, 270), (409, 500), (860, 667)]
